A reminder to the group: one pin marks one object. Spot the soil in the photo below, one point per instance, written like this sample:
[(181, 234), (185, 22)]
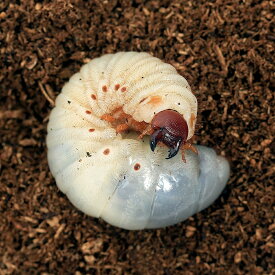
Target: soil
[(225, 49)]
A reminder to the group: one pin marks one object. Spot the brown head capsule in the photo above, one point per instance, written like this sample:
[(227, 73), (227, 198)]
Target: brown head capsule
[(171, 129)]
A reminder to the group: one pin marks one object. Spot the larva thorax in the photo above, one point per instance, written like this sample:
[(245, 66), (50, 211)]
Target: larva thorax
[(139, 86)]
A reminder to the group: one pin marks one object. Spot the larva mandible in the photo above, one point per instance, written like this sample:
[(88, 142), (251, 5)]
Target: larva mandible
[(100, 132)]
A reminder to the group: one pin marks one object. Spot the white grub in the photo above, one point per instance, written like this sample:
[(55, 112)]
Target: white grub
[(116, 176)]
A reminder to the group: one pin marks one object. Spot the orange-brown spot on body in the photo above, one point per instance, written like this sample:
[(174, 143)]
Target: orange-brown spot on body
[(123, 89), (117, 87), (137, 166), (93, 96), (108, 118), (104, 88), (91, 130), (106, 151), (155, 100), (88, 112)]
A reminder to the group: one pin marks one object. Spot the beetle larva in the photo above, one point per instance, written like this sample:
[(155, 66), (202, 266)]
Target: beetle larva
[(99, 137)]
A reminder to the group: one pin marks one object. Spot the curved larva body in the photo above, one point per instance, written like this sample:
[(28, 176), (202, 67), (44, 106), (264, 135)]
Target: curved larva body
[(116, 176)]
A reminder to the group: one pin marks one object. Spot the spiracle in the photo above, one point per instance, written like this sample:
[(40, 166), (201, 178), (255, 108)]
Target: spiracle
[(102, 144)]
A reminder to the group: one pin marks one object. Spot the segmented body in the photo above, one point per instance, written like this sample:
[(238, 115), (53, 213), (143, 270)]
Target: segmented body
[(110, 174)]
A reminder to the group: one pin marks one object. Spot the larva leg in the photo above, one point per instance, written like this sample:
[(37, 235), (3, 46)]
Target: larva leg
[(108, 118), (148, 131), (189, 146), (122, 127), (182, 156)]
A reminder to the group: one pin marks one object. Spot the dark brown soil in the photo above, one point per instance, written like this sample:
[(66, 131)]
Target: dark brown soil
[(225, 49)]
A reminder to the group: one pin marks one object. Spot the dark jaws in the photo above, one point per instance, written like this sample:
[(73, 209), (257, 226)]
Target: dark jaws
[(174, 143), (155, 138), (174, 150)]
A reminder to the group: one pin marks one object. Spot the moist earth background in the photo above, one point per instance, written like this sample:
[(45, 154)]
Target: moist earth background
[(225, 50)]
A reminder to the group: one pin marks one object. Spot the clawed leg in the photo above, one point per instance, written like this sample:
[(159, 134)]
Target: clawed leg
[(187, 146), (148, 131), (182, 156), (122, 127), (108, 118)]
